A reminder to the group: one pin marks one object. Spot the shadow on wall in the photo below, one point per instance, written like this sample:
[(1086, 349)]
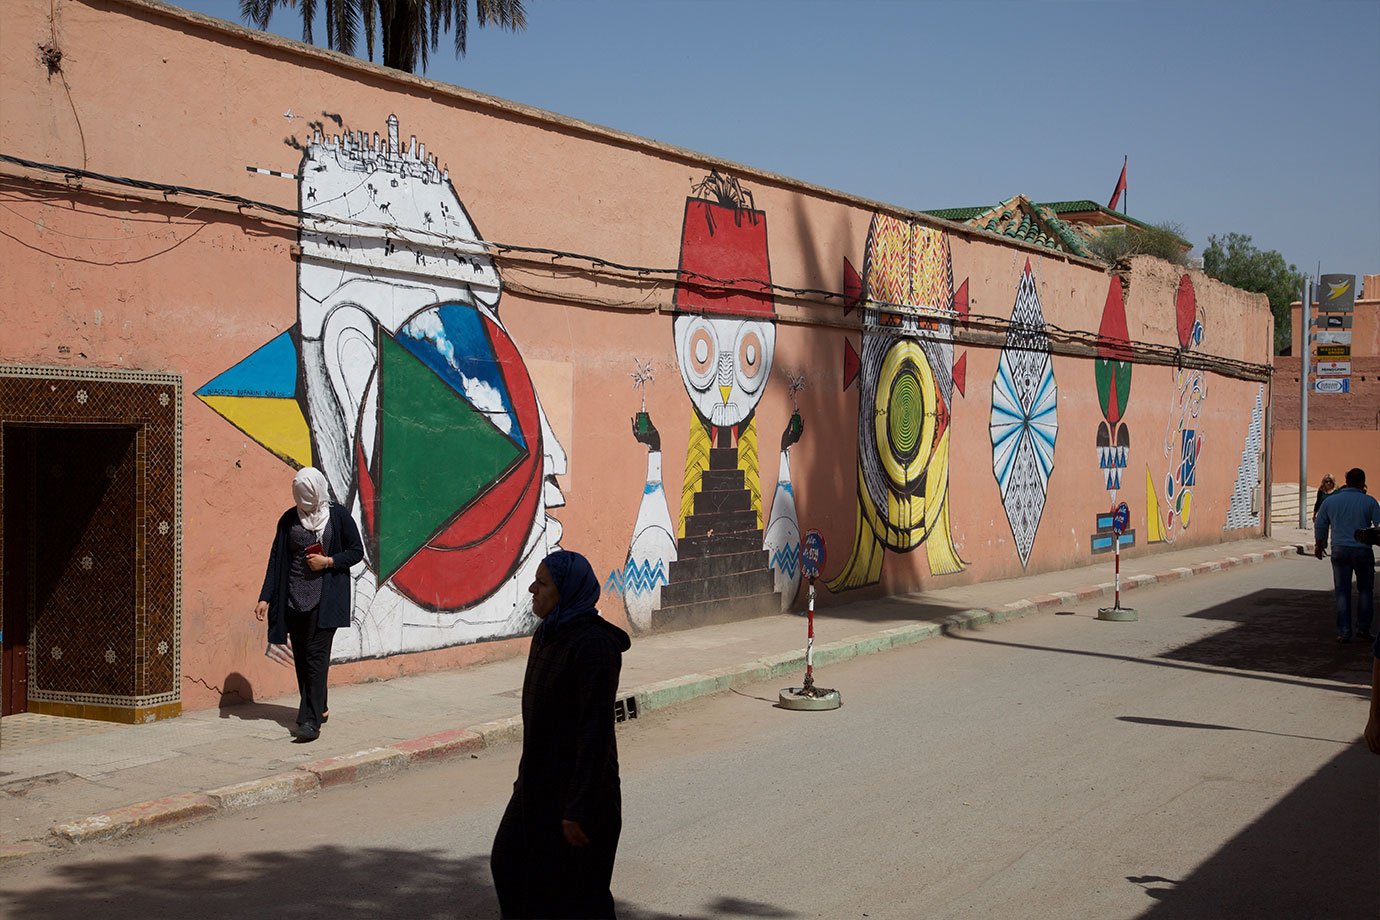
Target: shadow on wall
[(329, 882), (237, 702)]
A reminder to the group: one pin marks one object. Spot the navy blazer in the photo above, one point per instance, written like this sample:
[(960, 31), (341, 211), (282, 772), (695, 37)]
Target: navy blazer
[(344, 547)]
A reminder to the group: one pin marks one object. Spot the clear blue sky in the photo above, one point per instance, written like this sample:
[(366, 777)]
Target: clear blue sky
[(1256, 117)]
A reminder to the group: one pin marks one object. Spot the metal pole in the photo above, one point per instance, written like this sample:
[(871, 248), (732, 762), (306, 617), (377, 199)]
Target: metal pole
[(1116, 597), (810, 643), (1305, 343)]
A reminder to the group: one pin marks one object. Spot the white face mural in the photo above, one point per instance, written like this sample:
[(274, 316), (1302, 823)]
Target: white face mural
[(725, 364), (417, 405)]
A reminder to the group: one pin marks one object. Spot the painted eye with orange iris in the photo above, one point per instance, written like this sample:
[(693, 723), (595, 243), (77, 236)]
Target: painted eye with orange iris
[(750, 359), (704, 356)]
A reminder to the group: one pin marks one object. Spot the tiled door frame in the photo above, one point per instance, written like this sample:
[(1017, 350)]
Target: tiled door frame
[(152, 403)]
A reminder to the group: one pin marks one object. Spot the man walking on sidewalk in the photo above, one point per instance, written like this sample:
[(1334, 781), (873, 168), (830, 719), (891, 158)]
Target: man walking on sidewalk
[(1346, 511)]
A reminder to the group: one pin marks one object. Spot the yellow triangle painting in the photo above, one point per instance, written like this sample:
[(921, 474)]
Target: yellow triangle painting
[(274, 422), (1154, 524)]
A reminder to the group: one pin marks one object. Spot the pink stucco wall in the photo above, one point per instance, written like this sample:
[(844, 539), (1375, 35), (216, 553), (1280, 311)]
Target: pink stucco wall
[(104, 277)]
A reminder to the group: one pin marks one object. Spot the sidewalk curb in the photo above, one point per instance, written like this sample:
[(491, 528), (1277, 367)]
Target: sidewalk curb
[(374, 762)]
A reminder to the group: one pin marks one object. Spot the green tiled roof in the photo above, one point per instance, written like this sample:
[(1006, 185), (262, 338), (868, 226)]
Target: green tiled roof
[(957, 213), (1020, 219), (1036, 222)]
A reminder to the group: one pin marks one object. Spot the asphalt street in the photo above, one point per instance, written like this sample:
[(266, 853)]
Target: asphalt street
[(1201, 762)]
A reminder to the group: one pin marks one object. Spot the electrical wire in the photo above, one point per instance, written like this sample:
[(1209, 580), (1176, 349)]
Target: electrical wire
[(971, 328)]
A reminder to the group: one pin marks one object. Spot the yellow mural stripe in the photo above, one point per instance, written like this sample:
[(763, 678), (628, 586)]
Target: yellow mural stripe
[(747, 462), (275, 423), (1154, 524), (696, 462), (865, 564), (939, 546)]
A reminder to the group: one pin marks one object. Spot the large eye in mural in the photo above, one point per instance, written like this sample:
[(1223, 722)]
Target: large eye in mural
[(701, 355), (752, 358), (905, 415)]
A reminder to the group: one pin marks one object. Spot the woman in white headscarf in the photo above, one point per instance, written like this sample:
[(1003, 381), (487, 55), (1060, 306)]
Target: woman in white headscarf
[(306, 592)]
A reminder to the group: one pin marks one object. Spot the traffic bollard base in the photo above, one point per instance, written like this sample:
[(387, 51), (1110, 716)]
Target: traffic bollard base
[(1117, 614), (812, 700)]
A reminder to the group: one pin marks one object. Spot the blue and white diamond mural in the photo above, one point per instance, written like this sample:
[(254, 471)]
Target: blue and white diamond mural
[(1024, 417)]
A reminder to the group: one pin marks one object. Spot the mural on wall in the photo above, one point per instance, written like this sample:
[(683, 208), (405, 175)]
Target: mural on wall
[(906, 376), (1024, 417), (1182, 437), (1112, 370), (716, 558), (400, 383), (1243, 511)]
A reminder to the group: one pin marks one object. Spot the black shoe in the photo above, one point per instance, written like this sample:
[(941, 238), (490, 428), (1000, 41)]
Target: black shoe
[(308, 731), (325, 717)]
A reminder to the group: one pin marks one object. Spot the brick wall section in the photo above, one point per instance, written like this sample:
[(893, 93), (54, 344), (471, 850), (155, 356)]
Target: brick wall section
[(1357, 411)]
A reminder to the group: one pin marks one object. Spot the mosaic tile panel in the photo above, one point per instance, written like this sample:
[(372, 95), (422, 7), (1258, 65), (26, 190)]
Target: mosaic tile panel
[(105, 622)]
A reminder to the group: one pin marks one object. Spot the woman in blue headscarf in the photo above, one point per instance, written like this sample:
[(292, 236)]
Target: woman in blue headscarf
[(554, 851)]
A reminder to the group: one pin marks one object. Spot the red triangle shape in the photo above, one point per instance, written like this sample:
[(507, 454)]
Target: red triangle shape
[(961, 299), (1112, 335), (852, 287), (852, 364), (961, 370)]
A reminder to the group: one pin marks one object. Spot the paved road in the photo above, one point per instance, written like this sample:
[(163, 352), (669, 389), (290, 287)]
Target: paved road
[(1203, 762)]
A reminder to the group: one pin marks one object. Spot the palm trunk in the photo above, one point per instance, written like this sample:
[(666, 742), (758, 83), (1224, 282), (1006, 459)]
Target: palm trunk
[(399, 43)]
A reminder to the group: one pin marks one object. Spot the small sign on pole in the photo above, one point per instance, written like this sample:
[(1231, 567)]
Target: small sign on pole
[(813, 554), (1336, 293), (1334, 368), (1121, 519), (1332, 385)]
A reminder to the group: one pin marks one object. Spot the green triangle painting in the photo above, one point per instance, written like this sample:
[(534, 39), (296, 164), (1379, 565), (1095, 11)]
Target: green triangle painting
[(438, 453)]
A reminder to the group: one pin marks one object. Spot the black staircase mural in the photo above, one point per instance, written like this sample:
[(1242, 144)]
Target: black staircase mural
[(723, 572)]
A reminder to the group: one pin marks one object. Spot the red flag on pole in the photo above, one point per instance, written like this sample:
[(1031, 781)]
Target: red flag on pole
[(1120, 187)]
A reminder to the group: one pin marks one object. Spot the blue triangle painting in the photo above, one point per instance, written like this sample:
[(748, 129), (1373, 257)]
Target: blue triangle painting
[(452, 341), (270, 371)]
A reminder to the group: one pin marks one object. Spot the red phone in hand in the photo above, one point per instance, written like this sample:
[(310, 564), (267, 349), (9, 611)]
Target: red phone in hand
[(316, 549)]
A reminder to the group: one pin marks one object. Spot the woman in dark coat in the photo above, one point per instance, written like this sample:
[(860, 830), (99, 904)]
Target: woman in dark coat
[(554, 851), (306, 591), (1325, 488)]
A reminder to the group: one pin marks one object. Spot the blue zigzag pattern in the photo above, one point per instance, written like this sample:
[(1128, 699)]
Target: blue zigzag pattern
[(787, 559), (640, 579)]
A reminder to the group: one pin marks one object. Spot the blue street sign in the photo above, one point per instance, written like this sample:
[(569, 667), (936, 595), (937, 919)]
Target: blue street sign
[(812, 553), (1121, 518)]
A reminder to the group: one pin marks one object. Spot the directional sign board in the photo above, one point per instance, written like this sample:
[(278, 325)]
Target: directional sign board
[(1333, 351), (1332, 338), (1333, 321), (1337, 293), (1332, 385), (1334, 368)]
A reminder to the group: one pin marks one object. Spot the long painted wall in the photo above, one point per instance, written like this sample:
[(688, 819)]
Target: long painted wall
[(499, 332)]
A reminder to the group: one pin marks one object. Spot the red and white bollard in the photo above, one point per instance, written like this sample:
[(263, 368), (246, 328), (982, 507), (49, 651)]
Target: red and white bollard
[(1117, 613), (808, 696)]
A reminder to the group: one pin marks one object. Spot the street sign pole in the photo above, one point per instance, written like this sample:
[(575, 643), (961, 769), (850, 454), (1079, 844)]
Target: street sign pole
[(1305, 344), (808, 697), (1121, 519)]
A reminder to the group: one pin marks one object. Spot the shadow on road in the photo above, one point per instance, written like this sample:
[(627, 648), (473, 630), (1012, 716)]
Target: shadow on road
[(1311, 855), (339, 883), (1279, 631)]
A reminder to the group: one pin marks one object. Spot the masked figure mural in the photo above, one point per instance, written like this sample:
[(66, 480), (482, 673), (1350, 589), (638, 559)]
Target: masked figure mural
[(400, 382), (906, 377), (716, 560)]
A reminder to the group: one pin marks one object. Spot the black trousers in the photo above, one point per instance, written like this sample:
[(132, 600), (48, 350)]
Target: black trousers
[(311, 655), (538, 876)]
